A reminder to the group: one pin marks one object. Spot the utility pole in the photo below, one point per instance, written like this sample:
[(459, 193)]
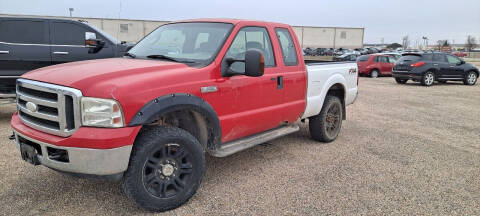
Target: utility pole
[(71, 10)]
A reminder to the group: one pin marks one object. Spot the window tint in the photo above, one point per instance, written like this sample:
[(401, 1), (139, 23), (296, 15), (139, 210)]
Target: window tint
[(288, 48), (68, 34), (363, 58), (453, 59), (381, 59), (409, 58), (427, 57), (439, 57), (23, 31), (248, 38), (391, 59)]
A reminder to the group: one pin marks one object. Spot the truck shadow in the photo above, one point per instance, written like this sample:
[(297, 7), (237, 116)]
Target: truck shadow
[(56, 191)]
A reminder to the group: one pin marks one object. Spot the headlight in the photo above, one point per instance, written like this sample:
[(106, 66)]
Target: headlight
[(99, 112)]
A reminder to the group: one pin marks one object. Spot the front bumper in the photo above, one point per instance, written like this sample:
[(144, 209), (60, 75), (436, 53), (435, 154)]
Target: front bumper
[(92, 151), (81, 160)]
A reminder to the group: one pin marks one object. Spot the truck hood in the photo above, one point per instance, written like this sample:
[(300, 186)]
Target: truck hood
[(100, 75)]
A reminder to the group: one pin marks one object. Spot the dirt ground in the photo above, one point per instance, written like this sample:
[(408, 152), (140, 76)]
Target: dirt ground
[(404, 149)]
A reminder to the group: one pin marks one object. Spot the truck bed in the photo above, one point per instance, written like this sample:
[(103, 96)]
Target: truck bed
[(322, 75)]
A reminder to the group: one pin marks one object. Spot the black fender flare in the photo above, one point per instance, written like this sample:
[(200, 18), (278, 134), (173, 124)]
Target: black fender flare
[(155, 108)]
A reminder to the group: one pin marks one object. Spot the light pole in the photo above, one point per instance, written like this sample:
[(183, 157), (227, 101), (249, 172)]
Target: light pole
[(71, 10)]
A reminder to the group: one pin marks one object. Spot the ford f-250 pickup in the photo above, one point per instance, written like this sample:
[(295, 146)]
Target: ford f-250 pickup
[(189, 88)]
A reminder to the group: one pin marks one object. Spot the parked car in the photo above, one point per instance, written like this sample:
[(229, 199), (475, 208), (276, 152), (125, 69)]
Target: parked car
[(346, 57), (375, 65), (31, 43), (459, 54), (329, 52), (150, 118), (429, 67)]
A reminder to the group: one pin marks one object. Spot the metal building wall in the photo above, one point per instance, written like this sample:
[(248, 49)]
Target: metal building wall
[(314, 37)]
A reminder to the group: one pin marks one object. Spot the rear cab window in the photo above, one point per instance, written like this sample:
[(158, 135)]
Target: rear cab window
[(24, 31)]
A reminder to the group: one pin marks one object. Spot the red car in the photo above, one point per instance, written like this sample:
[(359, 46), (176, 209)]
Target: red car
[(375, 65), (459, 54)]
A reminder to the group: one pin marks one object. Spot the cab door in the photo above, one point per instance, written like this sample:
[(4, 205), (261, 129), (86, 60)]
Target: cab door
[(256, 101), (454, 69), (68, 42)]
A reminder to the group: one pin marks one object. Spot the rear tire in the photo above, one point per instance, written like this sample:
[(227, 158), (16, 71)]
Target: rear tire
[(374, 73), (326, 126), (471, 78), (428, 79), (401, 81), (165, 170)]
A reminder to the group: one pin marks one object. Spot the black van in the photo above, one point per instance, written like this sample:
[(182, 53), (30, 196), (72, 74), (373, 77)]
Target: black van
[(30, 43)]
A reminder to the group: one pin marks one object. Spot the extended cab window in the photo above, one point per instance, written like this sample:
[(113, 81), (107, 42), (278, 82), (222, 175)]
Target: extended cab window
[(250, 38), (453, 60), (288, 48), (23, 31)]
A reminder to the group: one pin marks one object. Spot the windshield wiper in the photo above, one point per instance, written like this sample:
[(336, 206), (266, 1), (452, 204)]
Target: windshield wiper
[(130, 55), (168, 58)]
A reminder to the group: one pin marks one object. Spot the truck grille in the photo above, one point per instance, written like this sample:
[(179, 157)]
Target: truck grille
[(49, 108)]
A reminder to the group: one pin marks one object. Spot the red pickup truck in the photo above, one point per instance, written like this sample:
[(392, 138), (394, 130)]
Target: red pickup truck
[(215, 86)]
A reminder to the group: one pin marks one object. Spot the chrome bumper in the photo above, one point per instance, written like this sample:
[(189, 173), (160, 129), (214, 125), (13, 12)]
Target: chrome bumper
[(83, 160)]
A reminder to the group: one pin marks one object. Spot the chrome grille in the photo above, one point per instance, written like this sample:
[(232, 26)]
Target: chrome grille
[(49, 108)]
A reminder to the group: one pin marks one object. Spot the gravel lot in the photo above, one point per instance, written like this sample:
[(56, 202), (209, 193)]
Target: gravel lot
[(404, 149)]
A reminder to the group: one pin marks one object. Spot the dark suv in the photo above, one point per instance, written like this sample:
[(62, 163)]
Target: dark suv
[(428, 67), (30, 43)]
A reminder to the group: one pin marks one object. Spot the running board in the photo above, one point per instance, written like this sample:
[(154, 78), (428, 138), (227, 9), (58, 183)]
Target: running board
[(247, 142)]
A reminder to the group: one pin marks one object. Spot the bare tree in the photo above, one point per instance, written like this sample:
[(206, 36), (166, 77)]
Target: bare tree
[(442, 43), (471, 43), (405, 42)]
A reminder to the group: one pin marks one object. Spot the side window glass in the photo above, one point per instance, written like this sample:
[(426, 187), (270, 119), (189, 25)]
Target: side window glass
[(438, 57), (23, 31), (65, 33), (391, 59), (288, 48), (376, 59), (250, 38), (453, 59)]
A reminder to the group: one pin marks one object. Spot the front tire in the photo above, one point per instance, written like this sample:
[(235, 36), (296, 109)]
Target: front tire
[(374, 73), (326, 126), (428, 79), (401, 81), (166, 168), (470, 79)]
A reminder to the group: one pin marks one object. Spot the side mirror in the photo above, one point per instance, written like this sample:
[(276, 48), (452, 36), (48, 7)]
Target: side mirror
[(254, 64), (93, 43), (461, 62)]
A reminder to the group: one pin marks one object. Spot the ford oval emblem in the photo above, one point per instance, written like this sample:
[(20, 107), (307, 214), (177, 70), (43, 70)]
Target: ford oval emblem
[(32, 107)]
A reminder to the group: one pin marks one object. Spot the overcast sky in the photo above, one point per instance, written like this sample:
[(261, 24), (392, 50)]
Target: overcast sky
[(388, 19)]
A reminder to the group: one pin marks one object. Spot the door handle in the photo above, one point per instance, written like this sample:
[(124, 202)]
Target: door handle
[(60, 53), (280, 82), (4, 52), (435, 64), (452, 66)]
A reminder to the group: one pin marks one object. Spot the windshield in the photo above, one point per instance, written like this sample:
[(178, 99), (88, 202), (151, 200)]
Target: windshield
[(184, 42), (105, 34)]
